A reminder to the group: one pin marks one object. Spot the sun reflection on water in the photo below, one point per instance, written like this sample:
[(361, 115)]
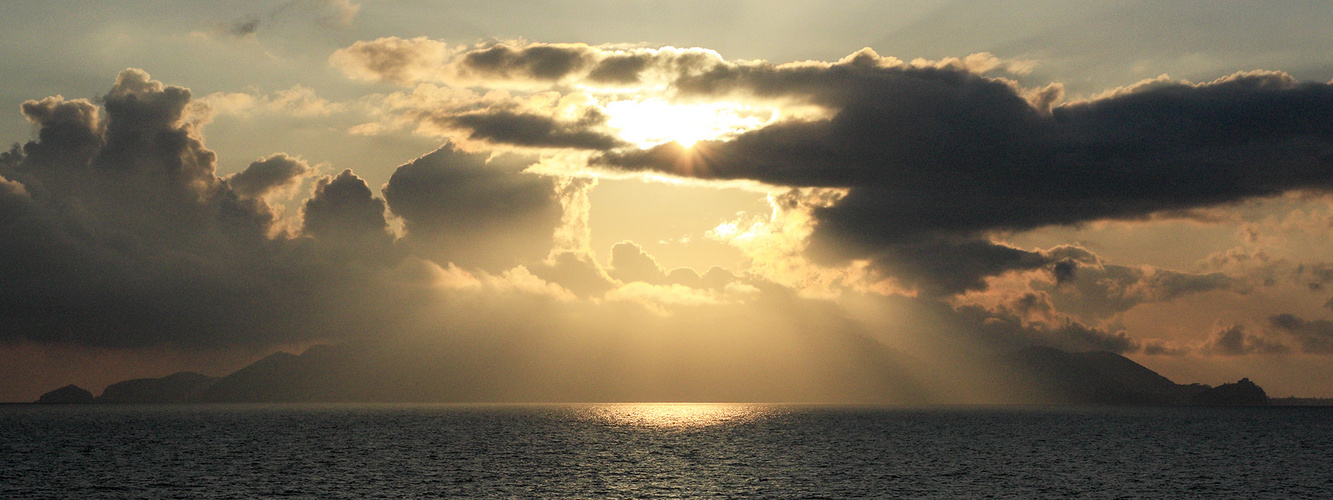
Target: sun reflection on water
[(675, 415)]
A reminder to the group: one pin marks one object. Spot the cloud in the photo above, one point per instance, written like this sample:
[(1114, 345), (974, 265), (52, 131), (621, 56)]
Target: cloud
[(530, 130), (657, 298), (1102, 290), (516, 64), (630, 263), (298, 101), (951, 266), (496, 119), (921, 141), (333, 13), (1159, 347), (1064, 271), (244, 27), (577, 271), (115, 217), (1027, 319), (278, 174), (1251, 268), (1313, 336), (116, 231), (1234, 341), (392, 59), (541, 62), (123, 235), (475, 210), (934, 158), (345, 214), (340, 12)]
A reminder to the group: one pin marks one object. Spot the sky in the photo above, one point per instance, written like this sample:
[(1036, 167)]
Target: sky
[(791, 186)]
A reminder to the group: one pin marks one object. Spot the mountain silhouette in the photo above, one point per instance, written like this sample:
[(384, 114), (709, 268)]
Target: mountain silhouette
[(1050, 375), (449, 371), (175, 388)]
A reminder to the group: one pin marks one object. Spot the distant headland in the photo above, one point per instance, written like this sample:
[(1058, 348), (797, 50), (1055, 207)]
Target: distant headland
[(336, 374)]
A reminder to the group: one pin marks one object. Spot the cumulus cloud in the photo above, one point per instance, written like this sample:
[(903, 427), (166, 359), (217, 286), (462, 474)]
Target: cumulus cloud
[(475, 210), (123, 234), (345, 214), (117, 231), (277, 174)]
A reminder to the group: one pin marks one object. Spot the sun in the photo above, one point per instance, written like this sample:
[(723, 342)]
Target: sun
[(646, 123)]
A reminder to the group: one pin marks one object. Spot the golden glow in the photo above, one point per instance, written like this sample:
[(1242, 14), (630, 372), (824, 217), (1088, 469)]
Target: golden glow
[(675, 415), (651, 122)]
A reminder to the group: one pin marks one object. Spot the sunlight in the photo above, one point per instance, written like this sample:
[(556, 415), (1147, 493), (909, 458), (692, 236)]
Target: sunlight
[(651, 122), (675, 415)]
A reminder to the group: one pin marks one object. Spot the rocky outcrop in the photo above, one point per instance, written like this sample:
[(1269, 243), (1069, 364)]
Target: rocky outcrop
[(70, 394), (1242, 393)]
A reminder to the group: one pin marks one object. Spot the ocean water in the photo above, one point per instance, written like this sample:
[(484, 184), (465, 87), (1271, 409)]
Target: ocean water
[(662, 451)]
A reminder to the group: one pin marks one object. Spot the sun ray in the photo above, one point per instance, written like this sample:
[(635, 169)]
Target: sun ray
[(650, 122)]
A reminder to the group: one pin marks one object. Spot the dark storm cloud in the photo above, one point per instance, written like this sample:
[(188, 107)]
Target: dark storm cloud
[(536, 131), (940, 150), (949, 265), (122, 234), (1313, 336), (939, 153), (461, 207), (116, 231)]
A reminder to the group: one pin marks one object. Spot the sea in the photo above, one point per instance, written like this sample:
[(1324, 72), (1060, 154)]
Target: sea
[(662, 450)]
